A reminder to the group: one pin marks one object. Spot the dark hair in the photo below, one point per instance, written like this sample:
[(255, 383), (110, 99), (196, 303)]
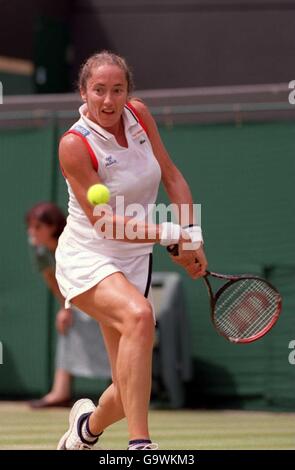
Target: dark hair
[(104, 58), (49, 214)]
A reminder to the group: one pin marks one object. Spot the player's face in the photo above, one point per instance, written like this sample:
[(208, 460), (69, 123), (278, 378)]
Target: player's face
[(40, 234), (106, 94)]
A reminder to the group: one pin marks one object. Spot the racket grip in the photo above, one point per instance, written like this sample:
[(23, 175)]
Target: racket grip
[(173, 250)]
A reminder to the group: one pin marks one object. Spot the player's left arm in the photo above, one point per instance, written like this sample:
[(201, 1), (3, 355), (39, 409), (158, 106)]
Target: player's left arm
[(174, 182)]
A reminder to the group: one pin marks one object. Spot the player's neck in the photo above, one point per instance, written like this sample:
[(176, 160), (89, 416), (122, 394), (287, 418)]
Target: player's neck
[(118, 132)]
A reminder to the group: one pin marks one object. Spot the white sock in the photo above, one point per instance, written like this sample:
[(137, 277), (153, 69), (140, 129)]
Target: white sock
[(86, 433)]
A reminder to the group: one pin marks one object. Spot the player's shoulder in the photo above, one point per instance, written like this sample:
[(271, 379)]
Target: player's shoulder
[(69, 139), (143, 114), (72, 151), (72, 143), (139, 106)]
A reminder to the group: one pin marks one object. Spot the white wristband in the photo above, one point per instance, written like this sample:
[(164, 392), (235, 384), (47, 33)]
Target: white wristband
[(195, 233), (170, 233)]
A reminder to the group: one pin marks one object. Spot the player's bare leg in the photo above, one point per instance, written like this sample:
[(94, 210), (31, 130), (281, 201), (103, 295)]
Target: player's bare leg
[(108, 411), (116, 303), (110, 407)]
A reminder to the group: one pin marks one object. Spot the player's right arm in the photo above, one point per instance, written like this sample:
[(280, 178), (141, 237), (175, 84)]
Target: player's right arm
[(78, 170)]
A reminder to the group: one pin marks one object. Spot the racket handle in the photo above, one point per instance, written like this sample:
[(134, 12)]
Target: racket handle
[(173, 250)]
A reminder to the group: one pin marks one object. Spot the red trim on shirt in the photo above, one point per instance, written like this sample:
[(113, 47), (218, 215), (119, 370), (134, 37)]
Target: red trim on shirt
[(89, 148), (129, 105)]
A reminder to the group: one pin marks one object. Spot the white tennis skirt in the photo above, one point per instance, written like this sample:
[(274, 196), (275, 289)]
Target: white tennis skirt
[(79, 271)]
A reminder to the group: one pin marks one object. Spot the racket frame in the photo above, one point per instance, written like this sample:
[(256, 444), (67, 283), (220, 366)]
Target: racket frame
[(232, 279)]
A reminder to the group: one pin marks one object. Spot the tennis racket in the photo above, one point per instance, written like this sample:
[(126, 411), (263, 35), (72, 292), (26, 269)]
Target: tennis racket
[(244, 308)]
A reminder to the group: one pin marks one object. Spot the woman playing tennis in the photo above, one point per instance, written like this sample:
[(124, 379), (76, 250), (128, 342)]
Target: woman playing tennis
[(116, 142)]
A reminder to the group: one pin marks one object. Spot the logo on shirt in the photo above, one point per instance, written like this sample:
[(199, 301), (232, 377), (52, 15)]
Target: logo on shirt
[(137, 133), (82, 130), (110, 160)]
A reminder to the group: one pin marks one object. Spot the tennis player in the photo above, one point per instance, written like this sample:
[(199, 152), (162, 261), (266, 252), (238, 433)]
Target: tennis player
[(116, 142)]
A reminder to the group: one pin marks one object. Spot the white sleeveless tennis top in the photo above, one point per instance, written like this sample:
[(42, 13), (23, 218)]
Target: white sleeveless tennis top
[(131, 172)]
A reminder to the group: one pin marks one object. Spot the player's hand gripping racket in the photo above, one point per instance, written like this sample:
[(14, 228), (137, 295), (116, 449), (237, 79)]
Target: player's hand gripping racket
[(245, 308)]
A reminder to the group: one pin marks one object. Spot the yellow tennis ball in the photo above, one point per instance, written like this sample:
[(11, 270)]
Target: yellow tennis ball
[(98, 194)]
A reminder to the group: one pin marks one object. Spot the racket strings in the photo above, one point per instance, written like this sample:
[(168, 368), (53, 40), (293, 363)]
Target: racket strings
[(248, 315), (243, 317), (245, 308)]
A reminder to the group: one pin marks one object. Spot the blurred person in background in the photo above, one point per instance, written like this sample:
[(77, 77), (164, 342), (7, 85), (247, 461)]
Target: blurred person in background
[(80, 348)]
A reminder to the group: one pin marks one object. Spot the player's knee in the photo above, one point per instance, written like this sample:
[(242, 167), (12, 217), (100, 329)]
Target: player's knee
[(141, 322)]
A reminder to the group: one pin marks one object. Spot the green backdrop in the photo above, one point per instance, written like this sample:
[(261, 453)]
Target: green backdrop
[(243, 175)]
